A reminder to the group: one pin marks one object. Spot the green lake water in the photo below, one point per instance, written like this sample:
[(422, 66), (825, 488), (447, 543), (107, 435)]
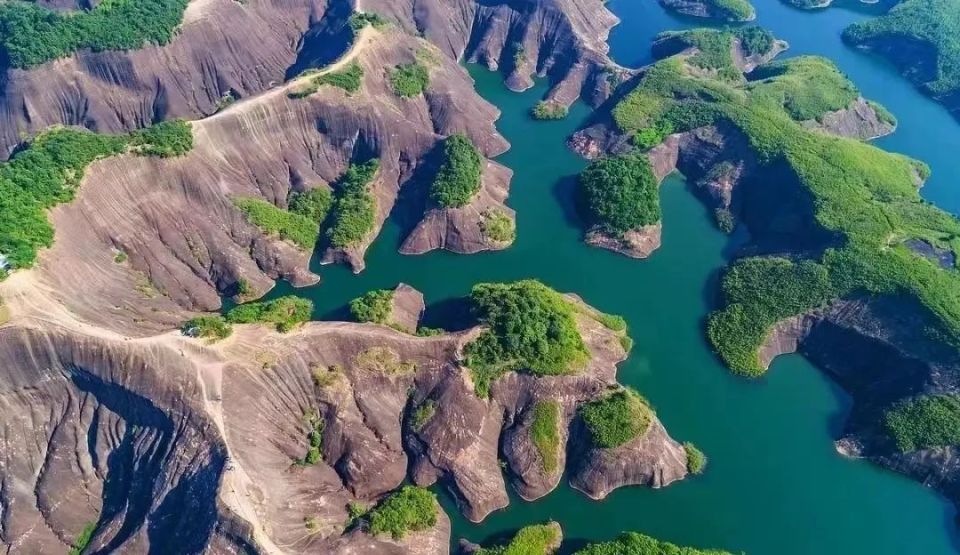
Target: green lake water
[(775, 484)]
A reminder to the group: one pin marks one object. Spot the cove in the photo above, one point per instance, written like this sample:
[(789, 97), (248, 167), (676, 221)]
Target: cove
[(774, 483)]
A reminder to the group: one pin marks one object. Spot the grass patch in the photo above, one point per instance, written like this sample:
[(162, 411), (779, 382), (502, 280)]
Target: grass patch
[(271, 220), (31, 35), (83, 539), (359, 20), (924, 422), (632, 543), (411, 509), (383, 360), (458, 178), (212, 327), (409, 80), (545, 434), (539, 539), (530, 328), (616, 418), (354, 209), (373, 306), (349, 79), (285, 313), (696, 460), (422, 414)]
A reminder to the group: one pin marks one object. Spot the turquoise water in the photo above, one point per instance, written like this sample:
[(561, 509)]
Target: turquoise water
[(774, 484)]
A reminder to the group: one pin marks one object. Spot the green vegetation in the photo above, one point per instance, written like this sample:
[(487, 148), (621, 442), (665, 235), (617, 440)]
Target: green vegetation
[(732, 10), (285, 312), (616, 418), (497, 226), (411, 509), (860, 201), (166, 139), (696, 460), (83, 540), (383, 360), (458, 178), (632, 543), (355, 512), (714, 47), (424, 331), (924, 422), (49, 171), (540, 539), (300, 230), (409, 80), (359, 20), (349, 79), (31, 35), (530, 328), (620, 194), (933, 25), (120, 257), (354, 208), (423, 414), (545, 110), (545, 434), (315, 425), (313, 204), (373, 306), (213, 327)]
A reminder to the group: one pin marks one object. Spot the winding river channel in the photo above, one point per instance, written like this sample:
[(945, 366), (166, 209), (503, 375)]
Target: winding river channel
[(775, 484)]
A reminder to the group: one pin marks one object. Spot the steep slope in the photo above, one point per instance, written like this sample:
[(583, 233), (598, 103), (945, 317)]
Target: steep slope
[(208, 61), (563, 40)]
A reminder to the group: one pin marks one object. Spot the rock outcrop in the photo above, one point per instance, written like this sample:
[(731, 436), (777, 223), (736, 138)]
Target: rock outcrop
[(710, 9), (186, 243), (860, 120), (564, 40), (205, 63), (407, 308)]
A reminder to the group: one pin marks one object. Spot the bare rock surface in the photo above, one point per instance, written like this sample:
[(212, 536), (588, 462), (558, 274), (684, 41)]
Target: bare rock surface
[(860, 120), (407, 309), (564, 40)]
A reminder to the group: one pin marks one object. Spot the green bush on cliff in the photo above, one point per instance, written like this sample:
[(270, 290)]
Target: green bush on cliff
[(616, 418), (354, 209), (545, 434), (359, 20), (422, 414), (166, 139), (696, 460), (285, 312), (300, 230), (83, 539), (212, 327), (530, 328), (497, 226), (315, 425), (31, 35), (545, 110), (754, 40), (411, 509), (373, 306), (409, 80), (620, 194), (458, 178), (632, 543), (924, 422), (349, 79), (313, 204), (733, 10), (539, 539)]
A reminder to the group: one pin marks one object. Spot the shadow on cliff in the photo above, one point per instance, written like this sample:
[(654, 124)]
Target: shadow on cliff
[(327, 39)]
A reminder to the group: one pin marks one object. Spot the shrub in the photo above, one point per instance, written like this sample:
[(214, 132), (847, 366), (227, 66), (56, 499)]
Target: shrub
[(164, 140), (31, 35), (354, 208), (806, 86), (349, 79), (497, 226), (545, 434), (733, 10), (632, 543), (373, 306), (411, 509), (83, 539), (620, 194), (214, 327), (429, 332), (540, 539), (754, 40), (549, 111), (409, 80), (458, 178), (696, 460), (530, 328), (383, 360), (285, 312), (924, 422), (423, 414), (359, 20), (299, 230), (315, 424), (313, 204), (616, 418)]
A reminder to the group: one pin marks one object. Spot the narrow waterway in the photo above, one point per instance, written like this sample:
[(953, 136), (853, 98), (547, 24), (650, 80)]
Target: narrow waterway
[(775, 484)]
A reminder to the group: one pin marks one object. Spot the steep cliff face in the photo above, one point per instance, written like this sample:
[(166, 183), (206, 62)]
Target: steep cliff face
[(563, 40), (186, 243), (210, 59)]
